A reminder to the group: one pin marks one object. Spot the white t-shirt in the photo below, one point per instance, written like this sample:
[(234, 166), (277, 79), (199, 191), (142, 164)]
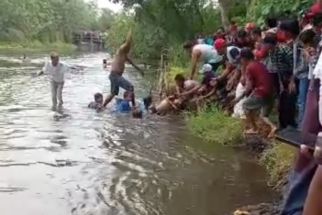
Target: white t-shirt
[(208, 53), (55, 73)]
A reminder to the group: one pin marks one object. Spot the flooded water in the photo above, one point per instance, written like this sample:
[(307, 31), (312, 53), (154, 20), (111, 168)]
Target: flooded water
[(105, 164)]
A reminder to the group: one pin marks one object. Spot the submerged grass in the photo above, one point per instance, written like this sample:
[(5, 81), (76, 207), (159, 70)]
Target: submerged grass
[(214, 126)]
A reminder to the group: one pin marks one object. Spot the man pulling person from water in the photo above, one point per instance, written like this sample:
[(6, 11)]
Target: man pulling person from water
[(117, 69)]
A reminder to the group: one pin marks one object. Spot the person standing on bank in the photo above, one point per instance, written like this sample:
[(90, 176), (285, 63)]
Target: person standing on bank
[(56, 71), (117, 69)]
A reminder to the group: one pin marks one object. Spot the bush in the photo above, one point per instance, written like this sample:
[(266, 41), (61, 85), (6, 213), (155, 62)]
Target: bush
[(213, 125)]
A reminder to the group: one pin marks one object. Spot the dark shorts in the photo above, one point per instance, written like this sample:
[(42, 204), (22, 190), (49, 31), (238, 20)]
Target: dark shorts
[(118, 81), (254, 103)]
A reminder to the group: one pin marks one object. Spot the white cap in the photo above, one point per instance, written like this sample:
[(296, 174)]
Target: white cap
[(206, 68)]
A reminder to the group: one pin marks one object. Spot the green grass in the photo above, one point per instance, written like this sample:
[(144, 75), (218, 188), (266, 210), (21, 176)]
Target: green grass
[(214, 126), (278, 161), (31, 47)]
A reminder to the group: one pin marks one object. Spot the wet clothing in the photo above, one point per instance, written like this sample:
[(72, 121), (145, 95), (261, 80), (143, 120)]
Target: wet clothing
[(57, 93), (118, 81), (123, 106), (55, 73), (94, 105)]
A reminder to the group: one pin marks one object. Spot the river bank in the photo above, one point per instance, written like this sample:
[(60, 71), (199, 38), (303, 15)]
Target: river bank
[(215, 126), (35, 47)]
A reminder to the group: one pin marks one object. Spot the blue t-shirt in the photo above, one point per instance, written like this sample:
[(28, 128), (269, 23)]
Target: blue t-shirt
[(123, 106)]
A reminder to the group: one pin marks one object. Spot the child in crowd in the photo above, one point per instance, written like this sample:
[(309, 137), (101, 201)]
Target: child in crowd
[(98, 102)]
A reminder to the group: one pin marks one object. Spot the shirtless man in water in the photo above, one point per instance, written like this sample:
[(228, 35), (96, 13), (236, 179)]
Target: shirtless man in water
[(117, 70)]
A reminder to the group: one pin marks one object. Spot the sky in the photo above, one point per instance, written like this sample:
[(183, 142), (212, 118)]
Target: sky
[(110, 5)]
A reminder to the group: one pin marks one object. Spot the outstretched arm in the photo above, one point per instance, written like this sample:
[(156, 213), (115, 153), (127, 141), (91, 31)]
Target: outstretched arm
[(42, 71), (126, 46), (135, 66), (190, 92)]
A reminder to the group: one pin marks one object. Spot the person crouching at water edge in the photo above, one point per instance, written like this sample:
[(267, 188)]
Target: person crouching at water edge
[(117, 69), (186, 90), (55, 70)]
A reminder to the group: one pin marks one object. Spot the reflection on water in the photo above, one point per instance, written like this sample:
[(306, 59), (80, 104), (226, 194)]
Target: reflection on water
[(91, 163)]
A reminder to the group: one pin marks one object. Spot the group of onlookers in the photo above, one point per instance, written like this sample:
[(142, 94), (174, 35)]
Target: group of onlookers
[(273, 69)]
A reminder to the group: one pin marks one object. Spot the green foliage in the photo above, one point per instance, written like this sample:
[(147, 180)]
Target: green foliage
[(278, 160), (259, 10), (163, 25), (35, 47), (213, 125), (45, 20)]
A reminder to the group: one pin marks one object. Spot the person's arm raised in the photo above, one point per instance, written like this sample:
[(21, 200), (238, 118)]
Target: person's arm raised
[(126, 46)]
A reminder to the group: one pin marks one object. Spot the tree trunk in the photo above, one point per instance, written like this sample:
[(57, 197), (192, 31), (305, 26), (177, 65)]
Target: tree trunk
[(223, 12)]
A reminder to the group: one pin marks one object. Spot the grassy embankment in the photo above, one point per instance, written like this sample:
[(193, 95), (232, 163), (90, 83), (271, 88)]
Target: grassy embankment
[(213, 125), (31, 47)]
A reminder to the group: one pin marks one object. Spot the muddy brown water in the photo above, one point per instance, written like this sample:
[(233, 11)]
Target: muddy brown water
[(109, 164)]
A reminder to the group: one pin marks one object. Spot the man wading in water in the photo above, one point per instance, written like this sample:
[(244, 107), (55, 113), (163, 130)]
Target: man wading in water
[(56, 71), (117, 70)]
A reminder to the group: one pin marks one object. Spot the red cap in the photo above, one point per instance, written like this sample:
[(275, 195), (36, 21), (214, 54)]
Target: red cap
[(315, 9), (220, 43), (250, 26)]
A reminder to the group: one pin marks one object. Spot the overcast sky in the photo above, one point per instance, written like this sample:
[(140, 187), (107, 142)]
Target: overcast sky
[(110, 5)]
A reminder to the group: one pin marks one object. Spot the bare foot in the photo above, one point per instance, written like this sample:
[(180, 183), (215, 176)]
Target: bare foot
[(271, 134)]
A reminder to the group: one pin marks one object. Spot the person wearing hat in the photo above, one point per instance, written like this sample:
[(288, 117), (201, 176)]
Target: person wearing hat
[(202, 54), (56, 71)]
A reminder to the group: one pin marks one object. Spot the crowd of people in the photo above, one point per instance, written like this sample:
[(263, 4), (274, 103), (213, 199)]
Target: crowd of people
[(264, 70), (268, 70)]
